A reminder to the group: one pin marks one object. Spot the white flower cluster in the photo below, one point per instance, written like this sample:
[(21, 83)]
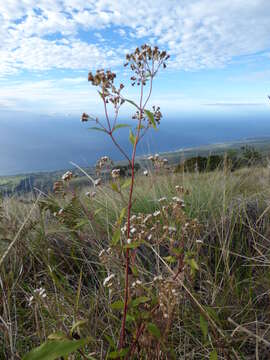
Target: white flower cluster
[(90, 194), (40, 292), (67, 176), (108, 281), (115, 173)]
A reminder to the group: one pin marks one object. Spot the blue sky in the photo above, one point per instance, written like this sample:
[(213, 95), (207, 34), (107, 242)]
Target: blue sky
[(220, 52)]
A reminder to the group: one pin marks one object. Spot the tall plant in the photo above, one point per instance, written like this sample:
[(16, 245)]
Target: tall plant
[(144, 63)]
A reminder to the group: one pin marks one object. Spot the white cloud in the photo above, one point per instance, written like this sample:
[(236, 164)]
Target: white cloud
[(72, 95), (198, 33)]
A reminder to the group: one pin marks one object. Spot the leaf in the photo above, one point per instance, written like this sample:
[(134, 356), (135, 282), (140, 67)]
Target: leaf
[(134, 244), (53, 349), (139, 300), (194, 265), (151, 118), (170, 259), (116, 237), (114, 187), (154, 330), (117, 305), (213, 355), (97, 129), (132, 138), (119, 126), (121, 216), (118, 353), (204, 327), (126, 184), (110, 341), (132, 103), (78, 324), (57, 336)]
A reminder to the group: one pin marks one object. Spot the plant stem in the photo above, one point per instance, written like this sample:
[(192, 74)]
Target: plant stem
[(123, 326)]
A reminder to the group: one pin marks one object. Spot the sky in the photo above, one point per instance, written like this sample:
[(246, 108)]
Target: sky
[(220, 52)]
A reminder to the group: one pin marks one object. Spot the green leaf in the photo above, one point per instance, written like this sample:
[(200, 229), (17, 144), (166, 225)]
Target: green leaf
[(117, 305), (98, 129), (170, 259), (119, 126), (151, 118), (53, 349), (57, 336), (204, 327), (139, 300), (77, 325), (154, 330), (126, 184), (213, 355), (134, 270), (134, 244), (132, 138), (110, 341), (118, 353), (122, 214), (116, 237), (132, 103), (194, 265), (114, 187)]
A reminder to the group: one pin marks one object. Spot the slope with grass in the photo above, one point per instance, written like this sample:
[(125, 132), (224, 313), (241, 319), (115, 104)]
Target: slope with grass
[(52, 278)]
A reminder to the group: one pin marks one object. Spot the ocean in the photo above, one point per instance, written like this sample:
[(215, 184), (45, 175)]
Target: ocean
[(43, 143)]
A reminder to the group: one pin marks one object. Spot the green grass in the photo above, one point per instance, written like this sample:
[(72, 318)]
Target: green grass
[(60, 254)]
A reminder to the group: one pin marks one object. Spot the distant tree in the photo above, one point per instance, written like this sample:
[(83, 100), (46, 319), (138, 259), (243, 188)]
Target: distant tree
[(250, 156)]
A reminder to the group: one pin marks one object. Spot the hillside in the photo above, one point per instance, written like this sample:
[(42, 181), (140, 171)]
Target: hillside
[(57, 276), (25, 183)]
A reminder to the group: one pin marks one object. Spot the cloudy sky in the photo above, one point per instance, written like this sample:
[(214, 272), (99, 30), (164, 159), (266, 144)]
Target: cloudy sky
[(220, 51)]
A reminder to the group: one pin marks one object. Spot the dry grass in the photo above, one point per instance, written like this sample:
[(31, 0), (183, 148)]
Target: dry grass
[(60, 254)]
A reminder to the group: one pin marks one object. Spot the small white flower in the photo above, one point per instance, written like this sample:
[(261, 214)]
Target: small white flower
[(101, 253), (133, 230), (60, 212), (129, 241), (138, 282), (162, 199), (150, 237), (148, 217), (145, 173), (133, 217), (165, 161), (156, 213), (199, 241), (107, 281), (178, 200), (158, 278), (150, 157), (97, 182), (123, 229), (109, 251), (172, 229), (115, 173), (87, 194), (67, 176)]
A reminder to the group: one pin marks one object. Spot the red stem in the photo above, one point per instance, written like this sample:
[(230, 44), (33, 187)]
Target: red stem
[(123, 326)]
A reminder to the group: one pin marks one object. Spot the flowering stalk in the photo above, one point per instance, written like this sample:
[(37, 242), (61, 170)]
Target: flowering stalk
[(144, 62)]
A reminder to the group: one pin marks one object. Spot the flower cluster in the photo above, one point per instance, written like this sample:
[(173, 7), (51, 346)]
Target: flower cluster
[(109, 93), (39, 293), (145, 62), (157, 161)]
